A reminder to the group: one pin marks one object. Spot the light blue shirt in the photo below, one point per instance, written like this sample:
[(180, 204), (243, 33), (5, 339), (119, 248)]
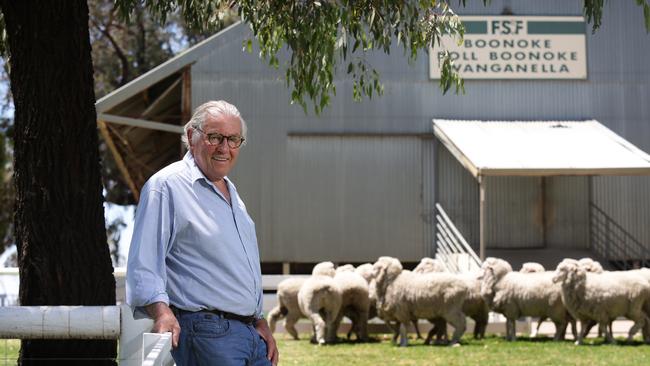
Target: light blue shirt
[(192, 249)]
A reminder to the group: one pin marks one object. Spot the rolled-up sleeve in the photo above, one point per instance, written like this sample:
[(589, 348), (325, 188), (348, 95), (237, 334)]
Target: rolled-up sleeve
[(146, 276)]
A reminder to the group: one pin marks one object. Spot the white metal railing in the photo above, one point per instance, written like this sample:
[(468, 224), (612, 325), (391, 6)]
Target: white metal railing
[(97, 322), (452, 249), (90, 322), (157, 349)]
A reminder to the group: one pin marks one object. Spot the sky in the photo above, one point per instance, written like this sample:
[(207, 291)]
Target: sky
[(111, 212)]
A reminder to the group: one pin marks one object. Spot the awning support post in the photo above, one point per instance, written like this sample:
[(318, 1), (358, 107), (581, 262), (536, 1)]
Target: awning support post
[(481, 187)]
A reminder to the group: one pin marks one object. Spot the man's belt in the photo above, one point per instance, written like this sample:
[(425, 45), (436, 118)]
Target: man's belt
[(246, 319)]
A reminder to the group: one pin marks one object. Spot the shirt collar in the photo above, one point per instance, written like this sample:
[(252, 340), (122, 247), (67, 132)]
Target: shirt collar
[(196, 173)]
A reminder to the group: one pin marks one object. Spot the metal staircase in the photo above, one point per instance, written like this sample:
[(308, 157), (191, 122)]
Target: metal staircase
[(452, 249), (614, 244)]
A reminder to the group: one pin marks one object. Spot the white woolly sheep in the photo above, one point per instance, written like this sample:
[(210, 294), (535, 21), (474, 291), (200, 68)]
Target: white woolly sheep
[(532, 267), (516, 294), (404, 295), (590, 265), (645, 273), (319, 300), (365, 270), (287, 307), (474, 307), (603, 296), (428, 265), (324, 269), (345, 268), (355, 303)]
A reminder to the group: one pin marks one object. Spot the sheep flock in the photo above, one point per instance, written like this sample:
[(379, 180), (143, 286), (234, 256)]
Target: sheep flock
[(577, 293)]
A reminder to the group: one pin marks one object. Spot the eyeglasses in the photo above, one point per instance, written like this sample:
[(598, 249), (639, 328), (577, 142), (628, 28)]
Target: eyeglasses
[(216, 139)]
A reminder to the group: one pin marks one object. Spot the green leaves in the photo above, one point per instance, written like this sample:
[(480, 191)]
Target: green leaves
[(318, 35), (448, 77), (593, 10)]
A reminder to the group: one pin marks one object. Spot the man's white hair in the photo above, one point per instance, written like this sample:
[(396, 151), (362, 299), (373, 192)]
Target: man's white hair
[(214, 108)]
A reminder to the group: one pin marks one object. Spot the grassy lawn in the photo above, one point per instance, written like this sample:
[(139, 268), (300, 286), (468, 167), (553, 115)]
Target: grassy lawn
[(491, 351), (9, 351)]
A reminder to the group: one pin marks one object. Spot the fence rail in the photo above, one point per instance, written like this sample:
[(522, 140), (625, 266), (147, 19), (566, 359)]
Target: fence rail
[(452, 248), (615, 244)]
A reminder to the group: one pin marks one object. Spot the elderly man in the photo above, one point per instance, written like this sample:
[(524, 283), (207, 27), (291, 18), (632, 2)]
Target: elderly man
[(194, 263)]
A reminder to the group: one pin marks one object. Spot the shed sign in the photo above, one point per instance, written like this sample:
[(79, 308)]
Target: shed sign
[(517, 47)]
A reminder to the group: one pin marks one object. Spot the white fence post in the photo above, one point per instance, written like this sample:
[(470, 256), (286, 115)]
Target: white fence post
[(156, 349), (133, 328)]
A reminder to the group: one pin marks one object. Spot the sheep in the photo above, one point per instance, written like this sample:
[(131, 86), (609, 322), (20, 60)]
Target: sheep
[(366, 271), (517, 294), (355, 302), (287, 305), (403, 295), (645, 274), (428, 265), (287, 294), (324, 269), (474, 307), (603, 296), (319, 299), (531, 267), (590, 265), (345, 268)]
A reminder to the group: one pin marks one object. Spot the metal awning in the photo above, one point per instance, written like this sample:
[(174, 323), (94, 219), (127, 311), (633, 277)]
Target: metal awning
[(540, 148), (537, 148)]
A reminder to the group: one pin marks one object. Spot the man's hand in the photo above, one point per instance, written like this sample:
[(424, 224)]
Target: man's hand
[(272, 349), (164, 321)]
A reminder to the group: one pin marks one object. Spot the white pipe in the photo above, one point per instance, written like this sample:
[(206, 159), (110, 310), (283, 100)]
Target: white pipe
[(60, 322)]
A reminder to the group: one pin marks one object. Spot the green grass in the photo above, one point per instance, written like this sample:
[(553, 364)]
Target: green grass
[(9, 351), (491, 351)]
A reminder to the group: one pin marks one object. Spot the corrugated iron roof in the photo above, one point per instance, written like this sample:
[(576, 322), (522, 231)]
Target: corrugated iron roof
[(540, 148)]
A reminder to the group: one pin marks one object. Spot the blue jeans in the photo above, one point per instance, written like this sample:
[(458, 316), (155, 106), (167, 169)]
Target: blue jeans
[(209, 339)]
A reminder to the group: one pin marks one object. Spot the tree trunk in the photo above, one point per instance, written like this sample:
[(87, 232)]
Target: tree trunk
[(59, 219)]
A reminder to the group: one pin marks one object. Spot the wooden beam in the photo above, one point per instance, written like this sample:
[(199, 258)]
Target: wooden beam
[(118, 159), (136, 122), (152, 107)]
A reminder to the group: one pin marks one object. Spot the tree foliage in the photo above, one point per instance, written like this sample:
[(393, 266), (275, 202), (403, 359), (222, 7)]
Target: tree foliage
[(320, 35), (66, 260)]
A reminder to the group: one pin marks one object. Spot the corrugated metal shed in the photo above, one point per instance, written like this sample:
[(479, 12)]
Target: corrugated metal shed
[(540, 148), (522, 207), (361, 180)]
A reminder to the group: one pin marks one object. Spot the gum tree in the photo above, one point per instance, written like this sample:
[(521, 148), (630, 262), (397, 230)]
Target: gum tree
[(59, 219)]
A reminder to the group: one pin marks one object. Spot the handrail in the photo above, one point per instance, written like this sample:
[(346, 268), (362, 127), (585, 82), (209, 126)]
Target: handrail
[(458, 235), (615, 244), (452, 246)]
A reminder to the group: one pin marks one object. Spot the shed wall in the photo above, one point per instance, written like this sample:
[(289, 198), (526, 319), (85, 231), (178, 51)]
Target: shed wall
[(286, 159)]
